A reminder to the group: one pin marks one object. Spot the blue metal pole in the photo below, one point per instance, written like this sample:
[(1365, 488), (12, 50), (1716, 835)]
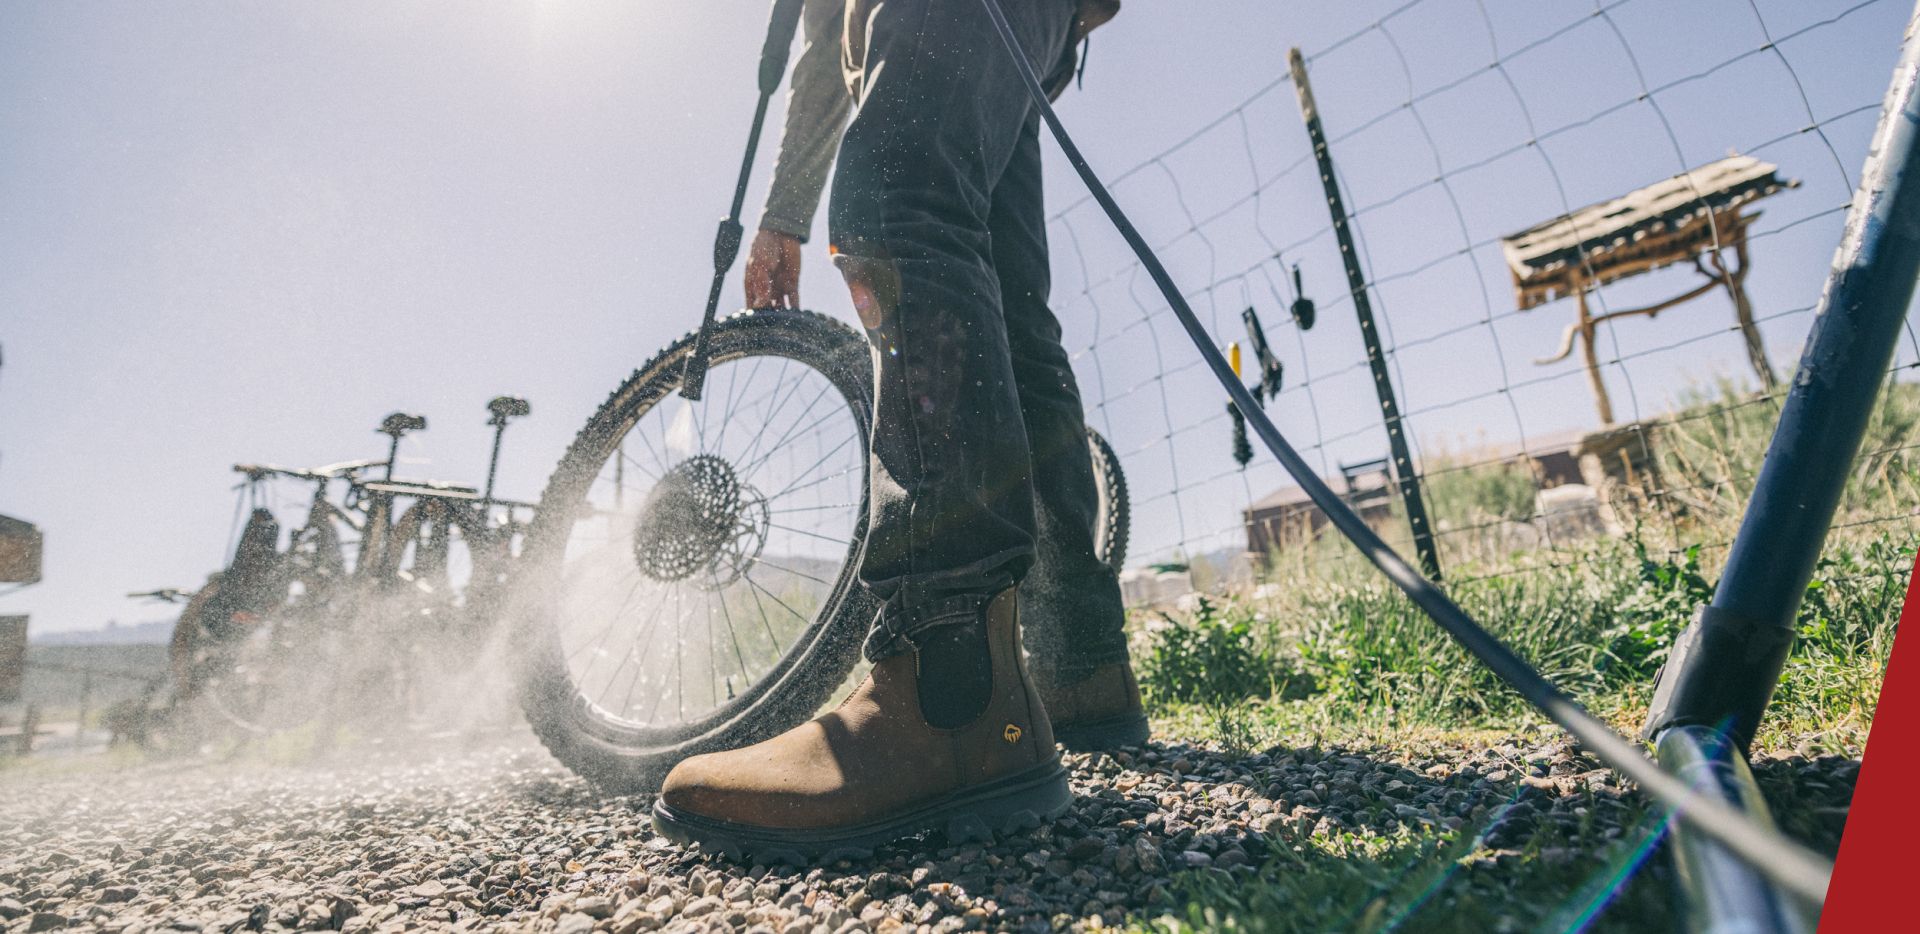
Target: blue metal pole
[(1724, 892), (1725, 666)]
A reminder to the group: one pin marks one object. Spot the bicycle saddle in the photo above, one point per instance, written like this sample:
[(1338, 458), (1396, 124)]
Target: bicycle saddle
[(505, 407), (399, 423)]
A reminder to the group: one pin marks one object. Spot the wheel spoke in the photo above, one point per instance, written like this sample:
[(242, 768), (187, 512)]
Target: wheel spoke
[(813, 483), (631, 654), (819, 508), (628, 458), (713, 667), (626, 701), (658, 460), (793, 571), (639, 655), (788, 528), (776, 598), (727, 617), (733, 385), (811, 468), (613, 620), (679, 661), (754, 589), (751, 466), (785, 397)]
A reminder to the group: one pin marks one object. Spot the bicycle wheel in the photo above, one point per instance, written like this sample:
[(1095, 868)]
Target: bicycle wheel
[(1110, 520), (268, 678), (688, 579)]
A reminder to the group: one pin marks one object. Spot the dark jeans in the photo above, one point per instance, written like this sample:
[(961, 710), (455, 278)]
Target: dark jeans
[(981, 477)]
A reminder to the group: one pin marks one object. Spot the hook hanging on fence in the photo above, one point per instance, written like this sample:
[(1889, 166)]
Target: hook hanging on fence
[(1302, 307), (1270, 368)]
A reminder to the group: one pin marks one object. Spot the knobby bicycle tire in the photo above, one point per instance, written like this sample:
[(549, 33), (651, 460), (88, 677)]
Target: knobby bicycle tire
[(1114, 516), (626, 758)]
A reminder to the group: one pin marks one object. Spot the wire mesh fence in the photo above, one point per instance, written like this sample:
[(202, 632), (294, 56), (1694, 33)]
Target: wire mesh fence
[(1633, 397)]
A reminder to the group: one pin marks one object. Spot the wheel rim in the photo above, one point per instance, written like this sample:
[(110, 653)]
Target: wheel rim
[(250, 682), (707, 542)]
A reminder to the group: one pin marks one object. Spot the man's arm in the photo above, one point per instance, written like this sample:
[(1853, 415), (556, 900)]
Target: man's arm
[(817, 108)]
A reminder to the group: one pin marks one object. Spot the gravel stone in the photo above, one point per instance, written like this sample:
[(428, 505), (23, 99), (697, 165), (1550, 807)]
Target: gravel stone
[(45, 921), (486, 834)]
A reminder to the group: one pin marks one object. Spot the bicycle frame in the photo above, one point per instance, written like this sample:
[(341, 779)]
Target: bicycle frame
[(391, 515), (437, 511)]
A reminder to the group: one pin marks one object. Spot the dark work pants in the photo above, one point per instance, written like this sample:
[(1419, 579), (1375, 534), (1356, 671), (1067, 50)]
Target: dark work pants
[(981, 477)]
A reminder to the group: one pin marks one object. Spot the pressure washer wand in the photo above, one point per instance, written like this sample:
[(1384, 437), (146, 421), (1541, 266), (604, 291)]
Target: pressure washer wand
[(726, 241)]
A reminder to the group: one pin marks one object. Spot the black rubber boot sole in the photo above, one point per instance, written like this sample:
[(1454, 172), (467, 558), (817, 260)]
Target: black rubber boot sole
[(1006, 805), (1104, 734)]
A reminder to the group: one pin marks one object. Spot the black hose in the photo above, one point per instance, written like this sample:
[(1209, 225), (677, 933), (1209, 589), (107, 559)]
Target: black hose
[(1798, 869)]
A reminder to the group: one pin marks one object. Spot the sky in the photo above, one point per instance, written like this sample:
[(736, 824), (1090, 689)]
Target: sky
[(246, 232)]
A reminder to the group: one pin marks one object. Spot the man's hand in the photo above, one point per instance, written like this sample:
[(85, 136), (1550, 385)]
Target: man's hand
[(773, 271)]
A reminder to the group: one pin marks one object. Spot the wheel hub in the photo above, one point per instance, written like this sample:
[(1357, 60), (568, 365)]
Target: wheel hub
[(700, 523)]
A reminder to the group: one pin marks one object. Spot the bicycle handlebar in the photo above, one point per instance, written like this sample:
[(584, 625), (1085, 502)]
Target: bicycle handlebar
[(165, 595), (327, 472)]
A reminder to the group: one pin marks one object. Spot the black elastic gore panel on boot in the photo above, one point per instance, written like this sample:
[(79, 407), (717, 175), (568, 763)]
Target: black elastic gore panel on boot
[(956, 675)]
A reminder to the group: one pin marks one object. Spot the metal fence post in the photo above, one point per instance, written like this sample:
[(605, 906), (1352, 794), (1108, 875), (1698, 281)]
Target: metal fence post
[(1408, 481)]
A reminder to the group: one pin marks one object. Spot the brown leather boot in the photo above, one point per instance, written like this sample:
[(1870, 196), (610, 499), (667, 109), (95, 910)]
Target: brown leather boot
[(875, 770), (1098, 712)]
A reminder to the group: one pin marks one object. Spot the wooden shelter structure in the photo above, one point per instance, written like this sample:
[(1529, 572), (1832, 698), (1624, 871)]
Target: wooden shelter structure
[(20, 547), (1696, 216)]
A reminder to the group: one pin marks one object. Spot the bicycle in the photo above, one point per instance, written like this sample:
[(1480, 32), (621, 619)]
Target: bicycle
[(329, 624), (713, 495)]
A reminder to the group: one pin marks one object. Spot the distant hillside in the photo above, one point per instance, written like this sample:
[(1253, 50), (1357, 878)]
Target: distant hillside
[(156, 632), (58, 674)]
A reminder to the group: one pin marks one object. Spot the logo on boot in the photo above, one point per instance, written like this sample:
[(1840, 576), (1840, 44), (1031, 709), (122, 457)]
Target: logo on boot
[(1011, 734)]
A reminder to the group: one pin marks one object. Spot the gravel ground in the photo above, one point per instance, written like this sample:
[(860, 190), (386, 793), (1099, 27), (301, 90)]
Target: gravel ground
[(498, 835)]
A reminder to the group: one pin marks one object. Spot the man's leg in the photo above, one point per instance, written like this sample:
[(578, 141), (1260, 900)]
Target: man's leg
[(947, 732), (952, 502), (1070, 600)]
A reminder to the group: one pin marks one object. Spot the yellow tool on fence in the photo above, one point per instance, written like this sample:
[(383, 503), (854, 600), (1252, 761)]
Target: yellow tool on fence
[(1242, 449)]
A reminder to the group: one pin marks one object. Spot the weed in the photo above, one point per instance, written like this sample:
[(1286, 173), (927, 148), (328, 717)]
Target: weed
[(1235, 729), (1649, 618), (1213, 659)]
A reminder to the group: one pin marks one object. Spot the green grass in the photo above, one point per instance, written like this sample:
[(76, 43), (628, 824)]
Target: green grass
[(1415, 881), (1600, 628), (1329, 654)]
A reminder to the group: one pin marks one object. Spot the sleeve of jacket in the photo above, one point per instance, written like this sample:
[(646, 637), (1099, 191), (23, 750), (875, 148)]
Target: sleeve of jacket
[(817, 110)]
